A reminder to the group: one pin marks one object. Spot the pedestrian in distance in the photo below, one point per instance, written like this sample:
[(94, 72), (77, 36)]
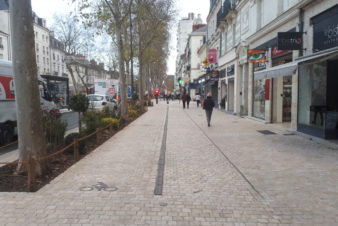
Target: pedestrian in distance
[(184, 99), (188, 100), (167, 98), (208, 106), (198, 99)]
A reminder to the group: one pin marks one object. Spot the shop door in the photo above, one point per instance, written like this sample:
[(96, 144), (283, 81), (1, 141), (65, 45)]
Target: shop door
[(287, 98), (231, 99)]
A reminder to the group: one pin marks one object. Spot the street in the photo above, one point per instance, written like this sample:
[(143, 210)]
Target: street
[(11, 153), (226, 174)]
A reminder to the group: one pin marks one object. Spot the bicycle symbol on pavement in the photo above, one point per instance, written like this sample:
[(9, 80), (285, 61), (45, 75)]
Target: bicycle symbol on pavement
[(99, 187)]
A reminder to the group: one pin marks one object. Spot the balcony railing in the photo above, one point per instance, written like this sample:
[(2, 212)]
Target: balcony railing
[(227, 7)]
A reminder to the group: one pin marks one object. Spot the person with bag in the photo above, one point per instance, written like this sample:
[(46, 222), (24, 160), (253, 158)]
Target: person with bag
[(188, 100), (208, 106), (184, 99)]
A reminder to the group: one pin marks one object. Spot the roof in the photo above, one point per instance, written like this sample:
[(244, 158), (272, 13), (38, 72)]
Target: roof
[(4, 4), (200, 30)]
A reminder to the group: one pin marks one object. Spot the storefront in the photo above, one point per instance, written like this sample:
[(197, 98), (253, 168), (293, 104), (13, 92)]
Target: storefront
[(318, 79), (318, 96), (260, 89)]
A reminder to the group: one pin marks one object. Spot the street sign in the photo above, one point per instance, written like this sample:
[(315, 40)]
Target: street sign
[(129, 91)]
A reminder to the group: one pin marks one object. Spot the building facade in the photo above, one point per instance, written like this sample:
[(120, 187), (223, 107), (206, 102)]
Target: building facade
[(289, 85)]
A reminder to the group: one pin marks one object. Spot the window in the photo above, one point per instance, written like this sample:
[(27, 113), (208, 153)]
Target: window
[(53, 56), (1, 56), (37, 58), (43, 50), (44, 60), (58, 57), (47, 60), (37, 47), (47, 50), (43, 37)]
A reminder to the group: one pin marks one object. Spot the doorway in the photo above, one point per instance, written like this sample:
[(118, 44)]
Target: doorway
[(231, 95), (287, 98)]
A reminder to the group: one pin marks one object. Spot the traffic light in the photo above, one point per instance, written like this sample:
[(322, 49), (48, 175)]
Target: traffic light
[(157, 92), (179, 80)]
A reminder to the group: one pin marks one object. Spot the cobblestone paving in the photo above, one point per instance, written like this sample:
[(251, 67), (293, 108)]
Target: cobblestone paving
[(294, 180)]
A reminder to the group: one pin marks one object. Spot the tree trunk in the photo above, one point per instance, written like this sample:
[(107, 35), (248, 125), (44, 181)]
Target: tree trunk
[(69, 67), (118, 31), (32, 142)]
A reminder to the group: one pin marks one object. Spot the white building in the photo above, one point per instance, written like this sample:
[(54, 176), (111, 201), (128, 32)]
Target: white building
[(295, 84), (5, 42), (194, 59), (42, 45), (57, 57), (184, 29)]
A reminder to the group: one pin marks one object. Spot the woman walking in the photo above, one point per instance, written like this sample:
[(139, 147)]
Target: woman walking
[(208, 106)]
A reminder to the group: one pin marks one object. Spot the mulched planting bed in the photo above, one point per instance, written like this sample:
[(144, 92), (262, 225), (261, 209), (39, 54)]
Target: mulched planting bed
[(9, 182)]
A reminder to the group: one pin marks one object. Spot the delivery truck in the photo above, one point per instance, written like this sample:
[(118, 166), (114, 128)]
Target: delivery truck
[(8, 124)]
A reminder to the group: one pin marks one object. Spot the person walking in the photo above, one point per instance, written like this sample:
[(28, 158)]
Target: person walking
[(188, 100), (208, 106), (198, 99), (184, 99)]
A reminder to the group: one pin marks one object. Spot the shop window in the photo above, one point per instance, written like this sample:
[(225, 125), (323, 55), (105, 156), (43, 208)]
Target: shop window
[(259, 99), (312, 94)]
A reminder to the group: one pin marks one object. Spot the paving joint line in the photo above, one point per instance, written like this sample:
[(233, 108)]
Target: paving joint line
[(227, 158), (161, 162)]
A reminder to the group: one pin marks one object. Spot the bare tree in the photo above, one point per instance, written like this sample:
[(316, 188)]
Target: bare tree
[(32, 143), (110, 16), (153, 23), (75, 40)]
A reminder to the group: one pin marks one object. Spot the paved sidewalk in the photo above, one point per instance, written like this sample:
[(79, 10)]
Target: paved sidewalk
[(228, 174)]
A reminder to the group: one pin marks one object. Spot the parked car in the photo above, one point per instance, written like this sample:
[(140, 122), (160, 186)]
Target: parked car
[(98, 102)]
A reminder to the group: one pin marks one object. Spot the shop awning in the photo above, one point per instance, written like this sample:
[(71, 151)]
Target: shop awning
[(278, 71), (326, 54)]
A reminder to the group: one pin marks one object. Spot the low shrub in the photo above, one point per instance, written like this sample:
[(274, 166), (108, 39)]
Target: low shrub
[(132, 113), (70, 138), (53, 127), (114, 121), (92, 120)]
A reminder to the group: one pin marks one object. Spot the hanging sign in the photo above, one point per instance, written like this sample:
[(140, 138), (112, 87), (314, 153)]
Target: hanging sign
[(256, 56), (290, 40), (212, 56)]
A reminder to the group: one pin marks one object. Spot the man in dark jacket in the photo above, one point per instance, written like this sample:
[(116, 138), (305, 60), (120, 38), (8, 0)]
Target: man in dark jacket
[(208, 106)]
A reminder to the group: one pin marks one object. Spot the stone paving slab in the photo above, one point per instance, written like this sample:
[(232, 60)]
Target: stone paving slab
[(201, 186)]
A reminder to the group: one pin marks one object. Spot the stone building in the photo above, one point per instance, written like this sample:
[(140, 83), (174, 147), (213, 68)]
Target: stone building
[(292, 84)]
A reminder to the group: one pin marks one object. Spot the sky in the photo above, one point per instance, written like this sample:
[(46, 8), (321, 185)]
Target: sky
[(47, 8)]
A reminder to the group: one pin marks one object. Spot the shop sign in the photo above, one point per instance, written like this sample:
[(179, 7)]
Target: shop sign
[(325, 30), (231, 70), (256, 56), (290, 40), (275, 52), (186, 79), (212, 56)]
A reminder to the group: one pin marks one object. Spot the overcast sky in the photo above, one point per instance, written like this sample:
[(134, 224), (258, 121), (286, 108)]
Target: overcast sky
[(47, 8)]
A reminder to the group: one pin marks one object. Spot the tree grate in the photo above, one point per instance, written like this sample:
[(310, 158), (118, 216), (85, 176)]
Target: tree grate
[(266, 132)]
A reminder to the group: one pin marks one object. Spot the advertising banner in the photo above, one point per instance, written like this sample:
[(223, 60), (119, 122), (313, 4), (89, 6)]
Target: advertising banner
[(6, 88), (325, 30), (256, 56), (290, 40)]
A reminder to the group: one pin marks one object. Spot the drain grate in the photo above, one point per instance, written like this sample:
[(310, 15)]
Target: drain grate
[(266, 132), (289, 134)]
